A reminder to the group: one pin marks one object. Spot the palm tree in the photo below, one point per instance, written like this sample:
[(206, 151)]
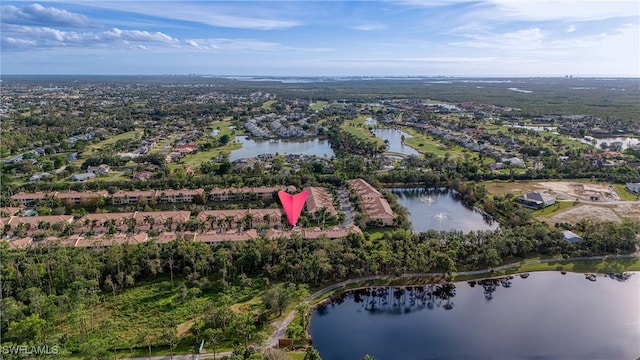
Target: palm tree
[(211, 221), (168, 224), (148, 219), (248, 220), (229, 220), (220, 222), (131, 224)]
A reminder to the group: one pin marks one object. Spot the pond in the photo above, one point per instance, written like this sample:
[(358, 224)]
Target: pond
[(545, 316), (394, 137), (252, 147), (440, 209), (625, 142)]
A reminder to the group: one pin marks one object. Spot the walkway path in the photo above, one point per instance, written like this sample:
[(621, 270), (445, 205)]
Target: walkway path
[(281, 325)]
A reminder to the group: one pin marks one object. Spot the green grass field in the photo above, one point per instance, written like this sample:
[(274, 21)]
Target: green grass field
[(625, 194), (267, 104), (91, 149), (194, 160), (318, 105), (358, 128), (559, 206), (424, 143)]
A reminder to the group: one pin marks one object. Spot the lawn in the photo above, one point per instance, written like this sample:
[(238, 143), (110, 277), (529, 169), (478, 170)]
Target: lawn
[(194, 160), (375, 234), (424, 143), (99, 145), (358, 129), (559, 206), (267, 104), (625, 194), (318, 105)]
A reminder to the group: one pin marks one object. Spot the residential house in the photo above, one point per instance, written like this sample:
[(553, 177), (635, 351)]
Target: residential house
[(232, 219), (77, 197), (180, 196), (319, 198), (216, 237), (375, 206), (143, 175), (27, 199), (83, 176), (102, 169), (134, 197), (570, 236), (32, 224), (633, 187), (536, 200), (257, 193)]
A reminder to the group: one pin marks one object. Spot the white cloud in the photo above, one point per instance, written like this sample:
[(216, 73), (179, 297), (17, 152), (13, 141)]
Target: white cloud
[(209, 13), (581, 10), (21, 36), (37, 14), (571, 28), (369, 27), (246, 45), (235, 44), (526, 39)]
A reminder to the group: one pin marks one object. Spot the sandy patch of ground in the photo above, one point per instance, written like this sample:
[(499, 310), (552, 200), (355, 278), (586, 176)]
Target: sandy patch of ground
[(627, 210), (567, 190), (578, 190), (605, 208), (583, 211)]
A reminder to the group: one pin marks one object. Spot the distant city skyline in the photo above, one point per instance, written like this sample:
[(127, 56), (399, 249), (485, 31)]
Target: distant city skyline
[(322, 38)]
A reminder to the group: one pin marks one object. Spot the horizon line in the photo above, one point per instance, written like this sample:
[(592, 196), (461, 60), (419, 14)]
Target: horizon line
[(567, 76)]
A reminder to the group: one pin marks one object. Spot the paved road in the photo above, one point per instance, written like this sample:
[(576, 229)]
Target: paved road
[(346, 207), (617, 202), (281, 326)]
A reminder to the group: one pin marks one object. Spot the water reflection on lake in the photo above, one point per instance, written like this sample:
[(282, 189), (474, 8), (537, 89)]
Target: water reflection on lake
[(440, 209), (252, 148), (545, 316), (394, 137), (626, 142)]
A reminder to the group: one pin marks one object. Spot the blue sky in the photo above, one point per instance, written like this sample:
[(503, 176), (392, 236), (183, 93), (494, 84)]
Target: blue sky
[(324, 38)]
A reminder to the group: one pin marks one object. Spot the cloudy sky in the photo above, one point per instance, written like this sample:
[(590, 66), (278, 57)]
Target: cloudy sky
[(296, 38)]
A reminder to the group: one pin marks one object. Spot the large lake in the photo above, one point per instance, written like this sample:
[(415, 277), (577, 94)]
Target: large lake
[(440, 209), (394, 137), (252, 148), (546, 316)]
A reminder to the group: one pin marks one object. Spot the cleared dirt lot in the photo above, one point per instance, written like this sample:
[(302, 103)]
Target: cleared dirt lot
[(606, 208), (562, 189), (583, 211)]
